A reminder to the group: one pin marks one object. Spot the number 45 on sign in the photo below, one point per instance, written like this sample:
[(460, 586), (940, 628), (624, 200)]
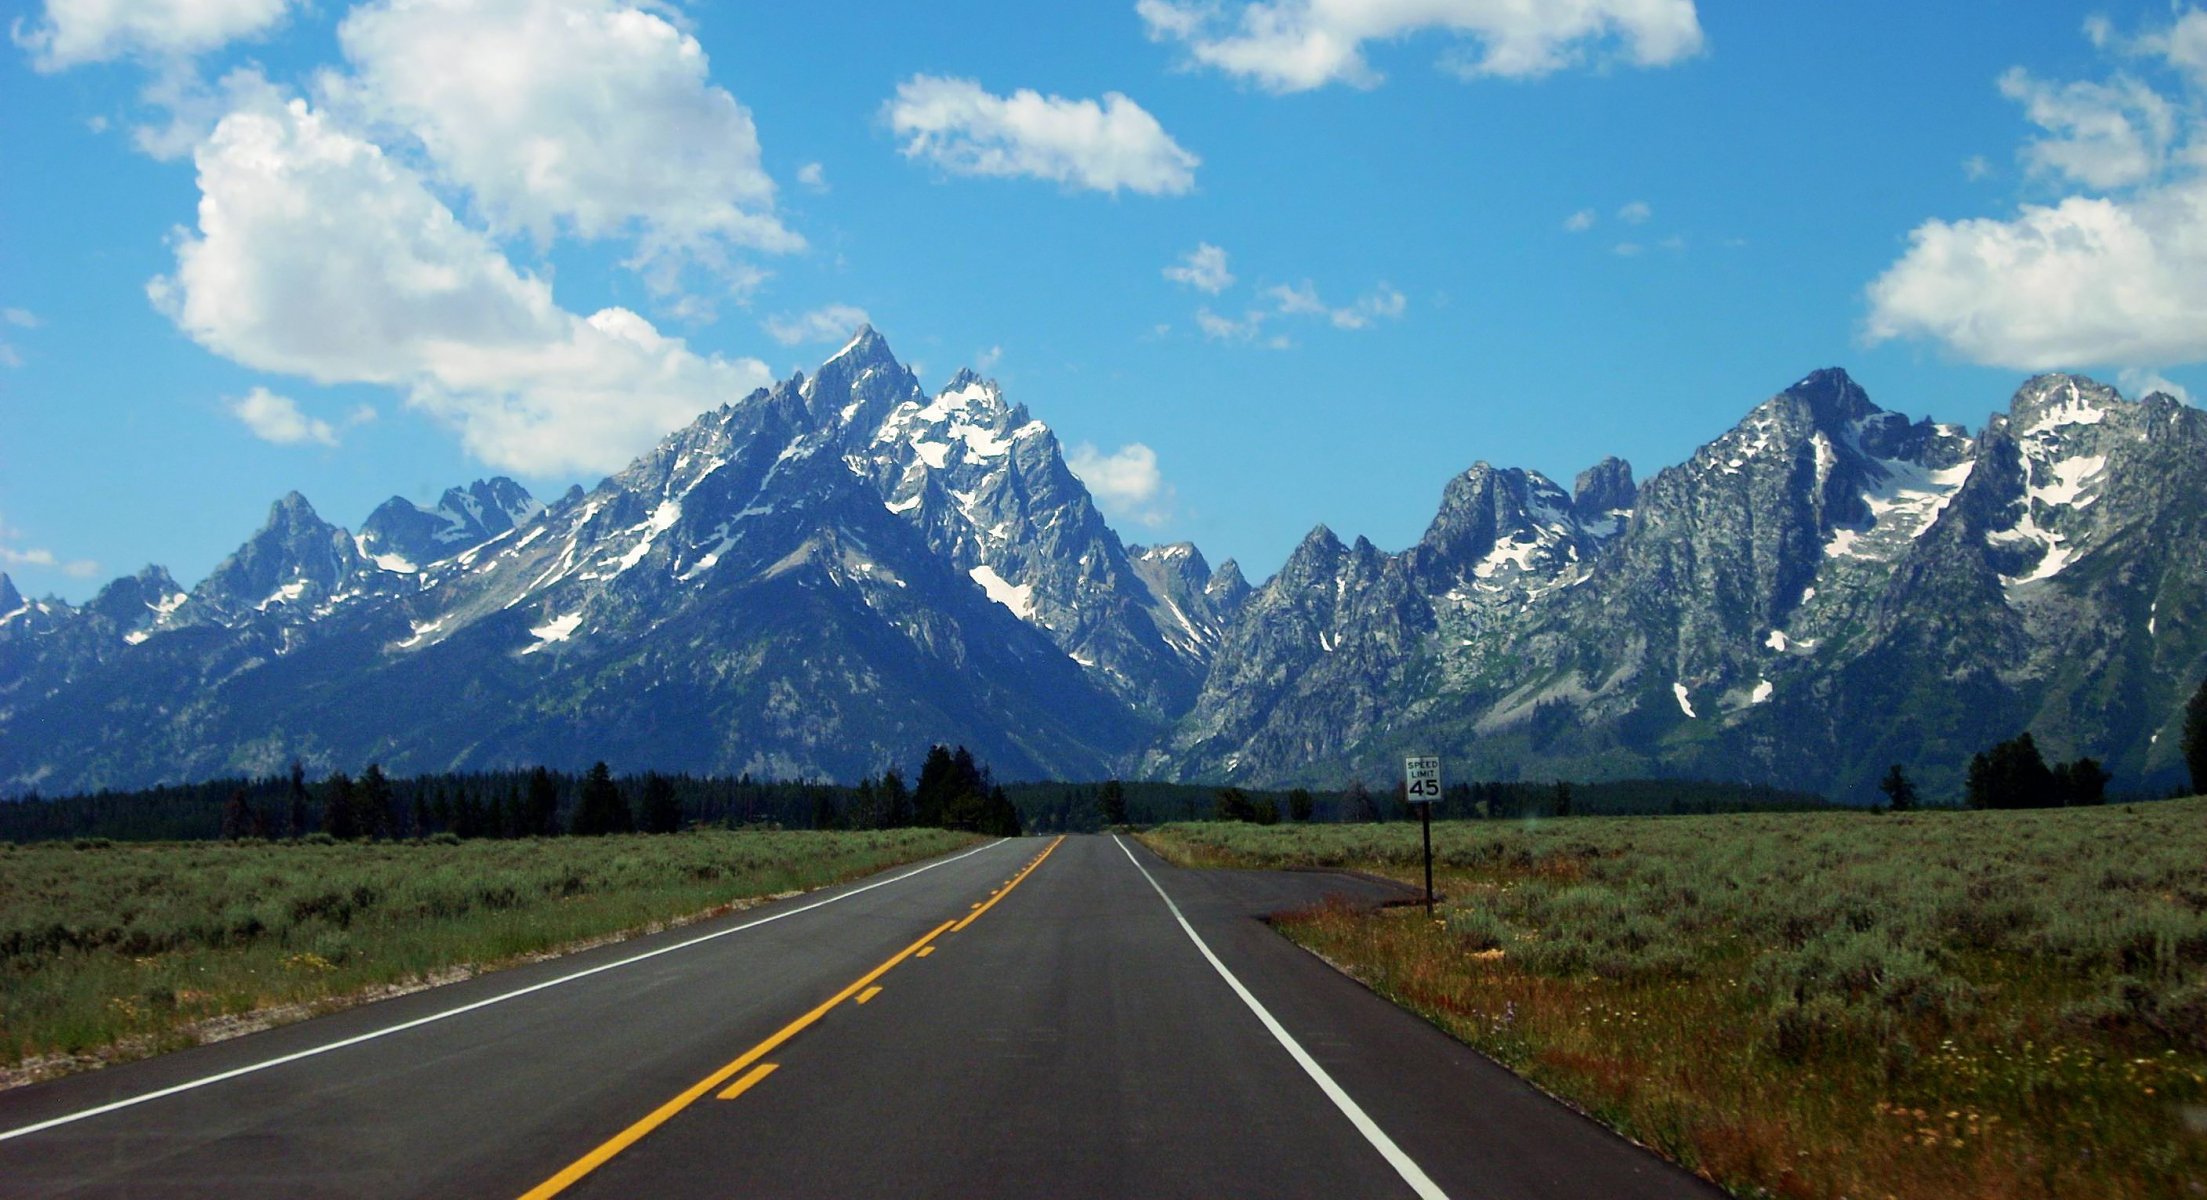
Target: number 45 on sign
[(1422, 779)]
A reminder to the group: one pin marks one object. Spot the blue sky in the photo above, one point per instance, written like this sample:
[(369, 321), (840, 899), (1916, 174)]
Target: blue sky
[(1260, 266)]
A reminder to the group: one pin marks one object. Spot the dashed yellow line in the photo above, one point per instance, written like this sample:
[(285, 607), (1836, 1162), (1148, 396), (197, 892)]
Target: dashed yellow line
[(748, 1066), (665, 1112), (750, 1077), (978, 909)]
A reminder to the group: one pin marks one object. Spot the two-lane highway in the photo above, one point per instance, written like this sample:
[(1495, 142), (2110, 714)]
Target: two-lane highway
[(1067, 1017)]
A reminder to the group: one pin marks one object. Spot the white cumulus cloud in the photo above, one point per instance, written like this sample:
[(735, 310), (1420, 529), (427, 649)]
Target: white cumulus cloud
[(1580, 221), (831, 323), (2139, 384), (1296, 45), (813, 176), (1126, 482), (318, 255), (2114, 277), (1302, 300), (1204, 269), (1635, 213), (1104, 147), (274, 418), (587, 117), (74, 32)]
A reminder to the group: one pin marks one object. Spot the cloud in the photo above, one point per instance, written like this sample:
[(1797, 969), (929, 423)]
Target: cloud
[(813, 176), (2117, 278), (986, 360), (1627, 249), (274, 418), (1635, 213), (9, 357), (75, 32), (1204, 269), (21, 318), (1297, 45), (318, 255), (1302, 300), (1126, 483), (1104, 147), (13, 554), (1227, 329), (1975, 168), (1580, 221), (2100, 135), (832, 323), (2140, 383), (593, 118)]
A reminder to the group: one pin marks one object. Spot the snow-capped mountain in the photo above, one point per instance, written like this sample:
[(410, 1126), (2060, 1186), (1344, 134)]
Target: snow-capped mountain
[(827, 575)]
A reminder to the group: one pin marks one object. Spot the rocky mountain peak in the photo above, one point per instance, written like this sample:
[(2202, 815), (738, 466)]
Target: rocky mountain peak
[(2049, 402), (1604, 490), (1831, 398), (137, 600), (10, 599)]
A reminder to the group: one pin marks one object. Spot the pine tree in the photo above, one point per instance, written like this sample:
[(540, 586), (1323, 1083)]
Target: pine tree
[(374, 802), (1111, 802), (1563, 798), (237, 816), (339, 819), (297, 825), (1300, 805), (2012, 775), (1898, 789), (662, 810), (2195, 739), (824, 814), (896, 800), (2082, 784), (936, 789), (601, 809), (1232, 804), (540, 813), (1358, 803)]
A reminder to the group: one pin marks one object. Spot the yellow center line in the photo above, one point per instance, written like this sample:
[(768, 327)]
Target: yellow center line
[(743, 1085), (978, 909), (630, 1136), (924, 952), (869, 993)]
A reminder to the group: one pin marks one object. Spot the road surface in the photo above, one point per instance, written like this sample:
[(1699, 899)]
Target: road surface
[(1032, 1017)]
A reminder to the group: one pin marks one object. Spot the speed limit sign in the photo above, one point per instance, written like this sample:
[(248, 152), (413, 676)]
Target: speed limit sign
[(1422, 778)]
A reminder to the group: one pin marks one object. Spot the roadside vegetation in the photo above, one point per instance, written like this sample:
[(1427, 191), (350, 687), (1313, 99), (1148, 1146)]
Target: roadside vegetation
[(119, 950), (1922, 1004)]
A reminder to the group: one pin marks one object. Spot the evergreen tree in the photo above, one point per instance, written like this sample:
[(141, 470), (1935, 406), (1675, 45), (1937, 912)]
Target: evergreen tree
[(936, 789), (1563, 798), (1898, 789), (1111, 802), (297, 825), (540, 813), (2195, 739), (824, 815), (1232, 804), (1358, 803), (999, 817), (421, 816), (374, 801), (237, 816), (1300, 806), (339, 820), (2012, 775), (1265, 811), (2082, 783), (896, 800), (601, 809), (662, 810)]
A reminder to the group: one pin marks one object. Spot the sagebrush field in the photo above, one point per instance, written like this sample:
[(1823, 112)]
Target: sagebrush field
[(1939, 1004), (118, 950)]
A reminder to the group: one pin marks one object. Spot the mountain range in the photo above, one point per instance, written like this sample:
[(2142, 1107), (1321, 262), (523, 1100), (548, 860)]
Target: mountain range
[(823, 578)]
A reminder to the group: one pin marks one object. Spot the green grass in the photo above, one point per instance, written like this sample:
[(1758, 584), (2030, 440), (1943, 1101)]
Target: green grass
[(1815, 1005), (116, 951)]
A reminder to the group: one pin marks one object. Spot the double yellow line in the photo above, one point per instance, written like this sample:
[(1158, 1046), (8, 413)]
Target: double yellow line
[(749, 1059)]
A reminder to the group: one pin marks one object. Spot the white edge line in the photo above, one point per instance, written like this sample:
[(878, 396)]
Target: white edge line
[(501, 998), (1411, 1173)]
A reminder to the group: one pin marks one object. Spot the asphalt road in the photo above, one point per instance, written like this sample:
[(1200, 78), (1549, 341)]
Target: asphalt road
[(1031, 1018)]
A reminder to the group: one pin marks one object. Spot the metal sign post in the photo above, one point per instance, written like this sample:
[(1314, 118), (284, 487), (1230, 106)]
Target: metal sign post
[(1421, 780)]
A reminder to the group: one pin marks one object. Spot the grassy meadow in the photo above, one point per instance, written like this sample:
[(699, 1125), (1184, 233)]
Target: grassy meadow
[(119, 950), (1935, 1004)]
